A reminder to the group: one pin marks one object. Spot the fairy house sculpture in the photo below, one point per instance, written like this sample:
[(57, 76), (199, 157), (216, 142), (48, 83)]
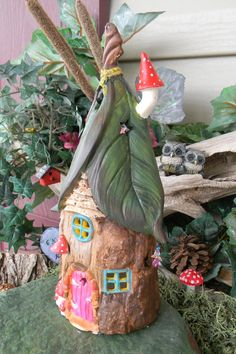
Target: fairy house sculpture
[(111, 206)]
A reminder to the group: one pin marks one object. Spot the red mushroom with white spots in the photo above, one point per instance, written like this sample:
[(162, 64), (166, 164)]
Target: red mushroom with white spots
[(191, 278), (148, 83), (61, 246)]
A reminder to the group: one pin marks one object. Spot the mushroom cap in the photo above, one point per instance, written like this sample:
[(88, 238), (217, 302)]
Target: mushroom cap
[(191, 277), (61, 246), (148, 77)]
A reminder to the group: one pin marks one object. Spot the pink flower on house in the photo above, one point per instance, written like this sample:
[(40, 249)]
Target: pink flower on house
[(70, 140)]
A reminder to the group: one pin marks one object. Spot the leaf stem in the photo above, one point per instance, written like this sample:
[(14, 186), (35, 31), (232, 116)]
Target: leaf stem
[(230, 104)]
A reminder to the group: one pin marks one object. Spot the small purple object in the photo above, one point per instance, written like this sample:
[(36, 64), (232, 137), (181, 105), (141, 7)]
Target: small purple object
[(47, 239), (156, 263), (157, 257)]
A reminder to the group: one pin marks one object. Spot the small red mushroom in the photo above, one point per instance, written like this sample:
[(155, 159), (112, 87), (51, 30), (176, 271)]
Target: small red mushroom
[(149, 82), (191, 278), (61, 246)]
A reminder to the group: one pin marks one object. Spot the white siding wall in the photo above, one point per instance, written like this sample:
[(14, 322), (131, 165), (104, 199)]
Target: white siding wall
[(195, 38)]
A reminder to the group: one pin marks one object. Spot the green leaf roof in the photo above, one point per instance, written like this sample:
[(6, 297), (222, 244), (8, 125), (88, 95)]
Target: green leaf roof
[(122, 170)]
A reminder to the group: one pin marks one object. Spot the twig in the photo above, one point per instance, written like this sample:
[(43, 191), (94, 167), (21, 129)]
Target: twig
[(61, 46), (90, 32), (9, 94), (50, 128)]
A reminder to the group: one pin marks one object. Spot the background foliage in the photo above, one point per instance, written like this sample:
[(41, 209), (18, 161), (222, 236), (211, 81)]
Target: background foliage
[(40, 102), (217, 228)]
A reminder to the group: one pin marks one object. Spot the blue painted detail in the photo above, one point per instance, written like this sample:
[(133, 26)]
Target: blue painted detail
[(117, 281), (47, 239), (82, 228)]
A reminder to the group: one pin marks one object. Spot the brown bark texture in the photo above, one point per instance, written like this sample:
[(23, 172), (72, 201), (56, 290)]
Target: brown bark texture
[(186, 193), (18, 269), (112, 247)]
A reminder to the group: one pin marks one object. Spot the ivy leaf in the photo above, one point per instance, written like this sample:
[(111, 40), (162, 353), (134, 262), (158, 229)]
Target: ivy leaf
[(22, 186), (129, 23), (224, 111), (7, 103), (7, 71), (10, 212), (28, 90), (18, 239), (169, 107), (204, 226), (29, 70)]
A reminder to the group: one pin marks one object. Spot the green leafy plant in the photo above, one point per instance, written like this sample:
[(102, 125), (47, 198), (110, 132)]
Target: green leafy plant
[(223, 121), (40, 105), (224, 111), (30, 129), (217, 228)]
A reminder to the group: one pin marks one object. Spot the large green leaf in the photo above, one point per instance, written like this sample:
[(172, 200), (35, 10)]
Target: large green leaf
[(224, 106), (204, 226), (122, 170), (41, 52), (190, 132), (129, 23)]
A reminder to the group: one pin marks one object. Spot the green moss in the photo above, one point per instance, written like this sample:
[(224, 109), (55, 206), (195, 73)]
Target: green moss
[(211, 316)]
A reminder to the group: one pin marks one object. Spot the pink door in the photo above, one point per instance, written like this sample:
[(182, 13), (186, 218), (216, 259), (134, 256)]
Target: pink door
[(81, 292)]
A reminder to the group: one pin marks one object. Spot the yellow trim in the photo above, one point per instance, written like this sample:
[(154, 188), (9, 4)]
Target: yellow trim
[(125, 288), (107, 74), (85, 224)]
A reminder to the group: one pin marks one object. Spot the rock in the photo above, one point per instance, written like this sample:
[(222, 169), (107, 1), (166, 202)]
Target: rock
[(31, 323)]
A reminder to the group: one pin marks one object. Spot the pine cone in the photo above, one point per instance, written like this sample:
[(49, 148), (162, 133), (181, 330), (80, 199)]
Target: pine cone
[(191, 252)]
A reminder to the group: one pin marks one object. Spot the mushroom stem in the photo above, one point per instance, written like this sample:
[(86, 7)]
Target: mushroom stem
[(190, 289), (149, 99)]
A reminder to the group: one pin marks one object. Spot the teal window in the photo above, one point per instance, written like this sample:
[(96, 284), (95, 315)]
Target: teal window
[(117, 281), (82, 228)]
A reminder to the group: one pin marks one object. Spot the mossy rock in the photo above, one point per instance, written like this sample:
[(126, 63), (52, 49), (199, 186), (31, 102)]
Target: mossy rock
[(31, 324)]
